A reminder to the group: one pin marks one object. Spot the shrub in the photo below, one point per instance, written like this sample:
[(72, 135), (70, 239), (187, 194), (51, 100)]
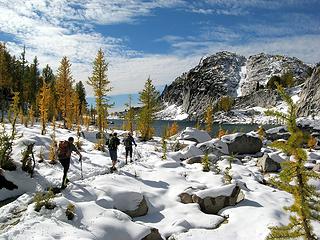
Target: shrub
[(286, 80), (44, 199), (164, 149), (225, 103), (205, 163), (70, 211), (312, 142), (5, 151)]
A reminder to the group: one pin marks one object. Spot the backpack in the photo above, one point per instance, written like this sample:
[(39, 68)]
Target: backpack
[(63, 149), (113, 143), (127, 142)]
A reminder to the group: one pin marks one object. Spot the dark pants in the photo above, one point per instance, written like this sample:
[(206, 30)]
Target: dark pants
[(113, 155), (129, 152), (65, 164)]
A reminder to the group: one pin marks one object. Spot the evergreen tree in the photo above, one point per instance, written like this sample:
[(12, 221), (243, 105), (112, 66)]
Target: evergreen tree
[(101, 87), (64, 88), (81, 91), (294, 179), (129, 117), (209, 119), (5, 79), (150, 105), (14, 108)]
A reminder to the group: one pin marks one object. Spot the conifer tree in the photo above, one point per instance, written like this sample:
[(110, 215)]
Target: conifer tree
[(294, 179), (129, 117), (31, 116), (64, 88), (101, 87), (205, 163), (14, 108), (5, 79), (149, 100), (209, 119), (44, 106), (81, 91)]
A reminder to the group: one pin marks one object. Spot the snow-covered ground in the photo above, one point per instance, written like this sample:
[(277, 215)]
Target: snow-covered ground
[(101, 198), (172, 112)]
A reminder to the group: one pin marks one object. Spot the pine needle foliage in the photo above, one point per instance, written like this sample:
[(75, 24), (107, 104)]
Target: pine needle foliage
[(294, 179), (129, 116), (164, 148), (209, 119), (44, 106), (101, 87), (64, 89), (205, 163), (150, 105)]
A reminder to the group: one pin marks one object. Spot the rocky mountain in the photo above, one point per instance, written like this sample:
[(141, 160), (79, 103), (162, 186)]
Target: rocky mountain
[(226, 73), (261, 67), (215, 76), (310, 95)]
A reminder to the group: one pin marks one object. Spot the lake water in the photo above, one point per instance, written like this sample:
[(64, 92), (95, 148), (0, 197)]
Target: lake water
[(159, 126)]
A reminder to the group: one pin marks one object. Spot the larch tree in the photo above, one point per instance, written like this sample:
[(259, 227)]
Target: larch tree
[(64, 83), (209, 119), (150, 105), (44, 98), (295, 179), (129, 116), (101, 87)]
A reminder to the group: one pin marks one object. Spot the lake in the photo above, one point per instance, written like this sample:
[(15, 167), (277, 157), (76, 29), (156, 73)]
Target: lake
[(159, 126)]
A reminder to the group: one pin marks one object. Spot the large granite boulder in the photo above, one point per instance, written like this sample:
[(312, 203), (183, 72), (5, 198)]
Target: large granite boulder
[(267, 164), (141, 210), (193, 134), (277, 133), (241, 143), (212, 200)]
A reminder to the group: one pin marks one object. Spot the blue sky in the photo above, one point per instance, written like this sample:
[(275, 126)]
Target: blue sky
[(160, 38)]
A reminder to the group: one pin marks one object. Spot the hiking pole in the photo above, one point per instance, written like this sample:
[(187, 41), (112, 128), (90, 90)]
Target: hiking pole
[(81, 168)]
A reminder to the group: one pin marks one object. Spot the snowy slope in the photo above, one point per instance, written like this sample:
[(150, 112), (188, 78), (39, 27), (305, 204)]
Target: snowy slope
[(100, 198)]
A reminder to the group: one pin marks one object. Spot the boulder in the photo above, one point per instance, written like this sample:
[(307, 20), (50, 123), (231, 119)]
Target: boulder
[(241, 143), (277, 133), (267, 164), (193, 134), (211, 201), (4, 183), (316, 168), (141, 210), (153, 235), (215, 147), (198, 159)]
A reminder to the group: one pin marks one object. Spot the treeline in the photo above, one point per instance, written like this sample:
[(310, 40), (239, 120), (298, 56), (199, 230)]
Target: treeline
[(40, 93)]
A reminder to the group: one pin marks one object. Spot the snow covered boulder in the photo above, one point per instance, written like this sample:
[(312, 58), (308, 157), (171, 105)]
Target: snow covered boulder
[(267, 164), (187, 152), (154, 235), (242, 143), (214, 146), (277, 133), (211, 201), (193, 134), (140, 210), (316, 168), (198, 159), (4, 183)]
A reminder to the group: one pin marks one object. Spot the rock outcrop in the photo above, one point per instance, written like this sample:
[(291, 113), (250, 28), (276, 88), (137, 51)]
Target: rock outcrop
[(261, 67), (241, 143), (310, 95), (215, 76)]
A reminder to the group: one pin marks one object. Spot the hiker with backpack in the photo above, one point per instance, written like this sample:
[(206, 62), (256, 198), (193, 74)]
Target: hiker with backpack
[(64, 154), (128, 141), (114, 142)]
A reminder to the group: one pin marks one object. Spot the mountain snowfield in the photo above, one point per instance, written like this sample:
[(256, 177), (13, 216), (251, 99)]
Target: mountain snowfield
[(101, 198)]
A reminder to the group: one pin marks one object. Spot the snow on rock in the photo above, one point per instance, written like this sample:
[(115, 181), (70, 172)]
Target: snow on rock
[(172, 112), (194, 134), (215, 146), (216, 192), (187, 152), (241, 143)]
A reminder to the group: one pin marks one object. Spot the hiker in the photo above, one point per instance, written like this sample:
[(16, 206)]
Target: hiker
[(128, 141), (113, 146), (64, 154)]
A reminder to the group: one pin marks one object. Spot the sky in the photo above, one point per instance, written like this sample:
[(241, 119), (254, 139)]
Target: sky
[(159, 39)]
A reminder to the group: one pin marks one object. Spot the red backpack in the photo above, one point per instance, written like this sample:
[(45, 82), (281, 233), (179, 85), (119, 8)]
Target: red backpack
[(63, 149)]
